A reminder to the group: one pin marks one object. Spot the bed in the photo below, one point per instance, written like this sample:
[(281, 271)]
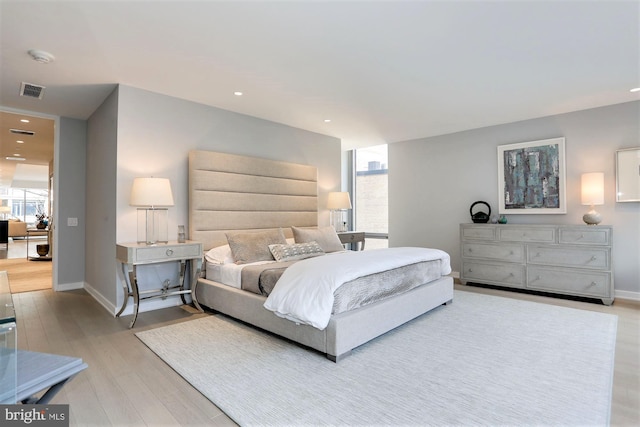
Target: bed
[(233, 195)]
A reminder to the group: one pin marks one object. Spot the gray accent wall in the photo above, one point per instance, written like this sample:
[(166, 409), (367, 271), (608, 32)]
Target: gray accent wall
[(433, 181), (139, 133)]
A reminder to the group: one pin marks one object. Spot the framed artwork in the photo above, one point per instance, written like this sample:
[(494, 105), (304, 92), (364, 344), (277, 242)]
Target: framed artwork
[(531, 177), (628, 175)]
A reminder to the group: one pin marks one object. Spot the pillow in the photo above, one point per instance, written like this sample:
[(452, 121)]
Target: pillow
[(296, 251), (219, 255), (325, 236), (249, 247)]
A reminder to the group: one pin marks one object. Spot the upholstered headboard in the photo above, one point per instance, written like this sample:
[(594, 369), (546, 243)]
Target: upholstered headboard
[(229, 192)]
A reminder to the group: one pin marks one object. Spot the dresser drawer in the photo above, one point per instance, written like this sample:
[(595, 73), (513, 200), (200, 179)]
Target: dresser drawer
[(584, 236), (493, 273), (497, 251), (575, 282), (592, 258), (478, 232), (527, 234), (164, 253)]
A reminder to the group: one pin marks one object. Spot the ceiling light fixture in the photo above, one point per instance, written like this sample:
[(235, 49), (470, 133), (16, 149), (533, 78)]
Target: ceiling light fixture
[(237, 93), (635, 89), (41, 56), (20, 141), (24, 120), (21, 159), (327, 120)]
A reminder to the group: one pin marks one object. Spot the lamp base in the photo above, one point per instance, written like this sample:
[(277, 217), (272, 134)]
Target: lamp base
[(592, 217), (152, 226)]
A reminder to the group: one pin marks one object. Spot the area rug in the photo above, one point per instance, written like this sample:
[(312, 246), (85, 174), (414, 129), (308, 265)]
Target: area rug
[(483, 360)]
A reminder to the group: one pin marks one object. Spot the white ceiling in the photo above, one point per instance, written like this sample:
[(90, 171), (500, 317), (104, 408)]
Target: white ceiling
[(382, 71)]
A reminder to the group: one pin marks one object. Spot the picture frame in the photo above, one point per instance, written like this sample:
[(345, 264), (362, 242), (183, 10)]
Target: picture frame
[(628, 175), (532, 177)]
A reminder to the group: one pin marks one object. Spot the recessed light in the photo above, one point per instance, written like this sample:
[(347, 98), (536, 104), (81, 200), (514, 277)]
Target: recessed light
[(327, 120), (20, 142), (16, 158), (635, 89), (24, 120), (237, 93)]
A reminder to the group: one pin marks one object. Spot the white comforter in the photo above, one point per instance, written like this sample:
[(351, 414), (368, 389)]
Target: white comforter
[(304, 292)]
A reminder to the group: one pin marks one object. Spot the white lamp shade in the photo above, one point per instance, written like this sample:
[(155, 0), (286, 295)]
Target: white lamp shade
[(5, 209), (593, 188), (151, 192), (339, 200)]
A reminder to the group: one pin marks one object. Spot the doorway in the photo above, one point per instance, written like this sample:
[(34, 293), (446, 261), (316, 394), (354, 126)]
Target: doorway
[(26, 189)]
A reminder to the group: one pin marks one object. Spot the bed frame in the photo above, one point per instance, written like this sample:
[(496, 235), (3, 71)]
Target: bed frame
[(238, 193)]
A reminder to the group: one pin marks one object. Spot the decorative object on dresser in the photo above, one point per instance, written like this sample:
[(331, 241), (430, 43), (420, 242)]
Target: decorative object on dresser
[(628, 175), (531, 177), (132, 255), (592, 194), (152, 196), (562, 259), (338, 203), (480, 217)]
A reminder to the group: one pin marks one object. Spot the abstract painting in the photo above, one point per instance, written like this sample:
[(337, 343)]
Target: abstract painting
[(531, 177)]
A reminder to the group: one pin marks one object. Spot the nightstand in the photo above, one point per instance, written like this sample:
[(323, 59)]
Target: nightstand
[(131, 255), (354, 238)]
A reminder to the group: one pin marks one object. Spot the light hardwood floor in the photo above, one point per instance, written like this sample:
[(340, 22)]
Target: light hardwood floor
[(126, 384)]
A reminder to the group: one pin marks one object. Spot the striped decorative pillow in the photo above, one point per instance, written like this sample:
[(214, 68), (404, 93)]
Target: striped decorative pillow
[(296, 251)]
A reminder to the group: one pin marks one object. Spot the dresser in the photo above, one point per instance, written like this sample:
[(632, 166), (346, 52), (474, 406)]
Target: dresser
[(563, 259)]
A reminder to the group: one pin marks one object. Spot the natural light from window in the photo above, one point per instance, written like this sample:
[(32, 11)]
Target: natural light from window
[(371, 195)]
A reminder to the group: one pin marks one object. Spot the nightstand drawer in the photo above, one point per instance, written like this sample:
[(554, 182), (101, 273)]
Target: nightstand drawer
[(167, 252), (569, 257), (351, 237), (498, 252)]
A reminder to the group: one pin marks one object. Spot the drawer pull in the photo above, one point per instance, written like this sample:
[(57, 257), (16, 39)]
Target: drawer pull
[(593, 258), (510, 252), (592, 284), (581, 237), (169, 252), (470, 271)]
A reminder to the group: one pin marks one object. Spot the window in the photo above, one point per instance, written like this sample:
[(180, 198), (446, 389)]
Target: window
[(371, 195), (26, 203)]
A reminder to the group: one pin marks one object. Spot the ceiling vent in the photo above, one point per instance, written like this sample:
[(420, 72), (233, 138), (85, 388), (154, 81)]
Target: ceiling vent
[(22, 132), (31, 90)]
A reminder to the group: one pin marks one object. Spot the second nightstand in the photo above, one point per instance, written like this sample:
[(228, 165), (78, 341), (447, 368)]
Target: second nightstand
[(354, 238)]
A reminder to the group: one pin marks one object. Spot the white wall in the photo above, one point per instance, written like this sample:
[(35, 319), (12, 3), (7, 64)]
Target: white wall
[(154, 136), (433, 182)]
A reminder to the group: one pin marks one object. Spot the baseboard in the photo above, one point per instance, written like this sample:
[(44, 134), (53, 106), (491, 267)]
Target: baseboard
[(628, 295), (69, 286), (148, 305)]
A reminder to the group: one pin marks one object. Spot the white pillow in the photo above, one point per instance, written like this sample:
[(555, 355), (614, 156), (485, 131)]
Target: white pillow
[(219, 255)]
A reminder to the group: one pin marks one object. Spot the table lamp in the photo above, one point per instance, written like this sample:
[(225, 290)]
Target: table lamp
[(592, 194), (152, 196), (4, 210), (339, 202)]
